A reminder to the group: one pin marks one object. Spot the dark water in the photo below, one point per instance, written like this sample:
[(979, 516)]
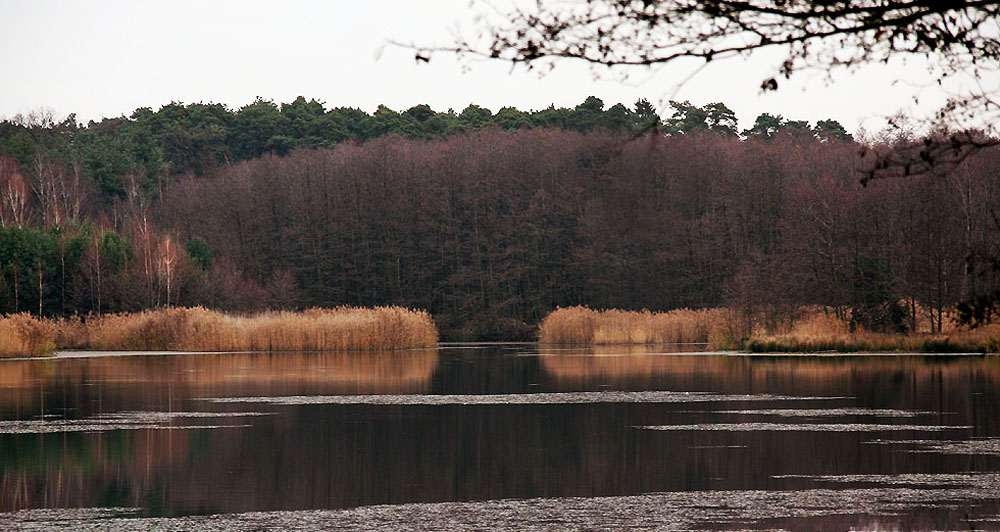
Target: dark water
[(500, 438)]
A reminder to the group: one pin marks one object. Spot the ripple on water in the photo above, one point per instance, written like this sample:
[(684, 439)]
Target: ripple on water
[(887, 505), (515, 398), (974, 446), (120, 421), (826, 412), (909, 479), (803, 427)]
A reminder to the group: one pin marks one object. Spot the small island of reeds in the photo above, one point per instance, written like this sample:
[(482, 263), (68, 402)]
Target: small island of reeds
[(815, 331), (200, 329), (583, 326)]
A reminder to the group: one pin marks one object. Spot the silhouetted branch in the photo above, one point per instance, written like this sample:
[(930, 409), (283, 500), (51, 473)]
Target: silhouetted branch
[(954, 37), (936, 153)]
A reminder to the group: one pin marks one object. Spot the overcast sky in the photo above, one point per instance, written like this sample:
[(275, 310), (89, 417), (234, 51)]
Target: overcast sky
[(104, 58)]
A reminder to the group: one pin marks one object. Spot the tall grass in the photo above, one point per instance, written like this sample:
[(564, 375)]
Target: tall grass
[(199, 329), (814, 337), (814, 331), (583, 326), (23, 336), (817, 330)]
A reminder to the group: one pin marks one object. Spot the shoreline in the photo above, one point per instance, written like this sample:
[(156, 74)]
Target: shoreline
[(89, 354)]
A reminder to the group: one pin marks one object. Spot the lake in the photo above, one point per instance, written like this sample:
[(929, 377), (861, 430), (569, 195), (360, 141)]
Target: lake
[(500, 437)]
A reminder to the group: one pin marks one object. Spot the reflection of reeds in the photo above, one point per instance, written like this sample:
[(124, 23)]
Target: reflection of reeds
[(583, 326), (621, 365), (242, 374), (796, 374), (199, 329)]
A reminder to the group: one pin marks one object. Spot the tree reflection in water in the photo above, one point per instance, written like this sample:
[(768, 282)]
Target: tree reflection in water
[(340, 456)]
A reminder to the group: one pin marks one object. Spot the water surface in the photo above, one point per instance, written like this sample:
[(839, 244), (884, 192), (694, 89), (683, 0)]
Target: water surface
[(504, 437)]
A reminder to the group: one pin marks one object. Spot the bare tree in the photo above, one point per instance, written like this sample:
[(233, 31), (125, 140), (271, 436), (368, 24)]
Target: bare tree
[(62, 192), (166, 258), (14, 191), (939, 153), (94, 267)]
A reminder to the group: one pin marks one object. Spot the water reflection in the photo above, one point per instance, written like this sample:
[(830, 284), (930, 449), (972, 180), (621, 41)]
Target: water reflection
[(85, 398), (429, 429), (634, 367), (147, 376)]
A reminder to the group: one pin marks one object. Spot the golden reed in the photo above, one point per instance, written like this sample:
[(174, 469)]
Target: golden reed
[(21, 335), (981, 340), (815, 331), (200, 329), (583, 326), (819, 333)]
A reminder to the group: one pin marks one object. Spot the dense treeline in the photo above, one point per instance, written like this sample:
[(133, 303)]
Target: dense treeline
[(493, 229), (75, 200), (152, 146), (488, 220)]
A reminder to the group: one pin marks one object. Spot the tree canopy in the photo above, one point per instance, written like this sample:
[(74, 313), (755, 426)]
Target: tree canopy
[(489, 220), (954, 38)]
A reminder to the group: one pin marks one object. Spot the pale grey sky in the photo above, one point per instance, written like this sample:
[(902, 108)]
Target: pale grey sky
[(105, 58)]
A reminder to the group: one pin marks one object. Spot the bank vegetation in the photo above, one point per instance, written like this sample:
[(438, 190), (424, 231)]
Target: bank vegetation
[(200, 329), (492, 222), (813, 330)]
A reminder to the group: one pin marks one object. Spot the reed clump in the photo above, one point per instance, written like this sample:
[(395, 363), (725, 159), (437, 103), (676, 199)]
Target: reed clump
[(584, 326), (824, 333), (815, 331), (962, 342), (22, 335), (200, 329)]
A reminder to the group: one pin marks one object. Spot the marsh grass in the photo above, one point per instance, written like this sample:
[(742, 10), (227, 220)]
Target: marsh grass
[(21, 335), (200, 329), (819, 331), (981, 340), (815, 331), (584, 326)]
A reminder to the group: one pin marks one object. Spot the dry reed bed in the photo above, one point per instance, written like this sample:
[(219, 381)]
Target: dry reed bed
[(817, 331), (821, 332), (983, 340), (21, 335), (583, 326), (199, 329)]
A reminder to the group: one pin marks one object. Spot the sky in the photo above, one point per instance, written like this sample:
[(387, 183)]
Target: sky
[(105, 58)]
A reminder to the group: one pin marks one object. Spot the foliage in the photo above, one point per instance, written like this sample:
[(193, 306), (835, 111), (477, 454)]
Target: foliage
[(488, 220), (496, 225), (715, 117), (116, 148), (954, 39), (199, 252), (140, 154)]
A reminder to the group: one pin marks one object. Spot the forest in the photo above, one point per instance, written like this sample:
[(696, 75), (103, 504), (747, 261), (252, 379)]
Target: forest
[(489, 221)]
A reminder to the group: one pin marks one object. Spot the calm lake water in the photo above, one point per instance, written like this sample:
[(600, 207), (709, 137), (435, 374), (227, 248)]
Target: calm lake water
[(500, 437)]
